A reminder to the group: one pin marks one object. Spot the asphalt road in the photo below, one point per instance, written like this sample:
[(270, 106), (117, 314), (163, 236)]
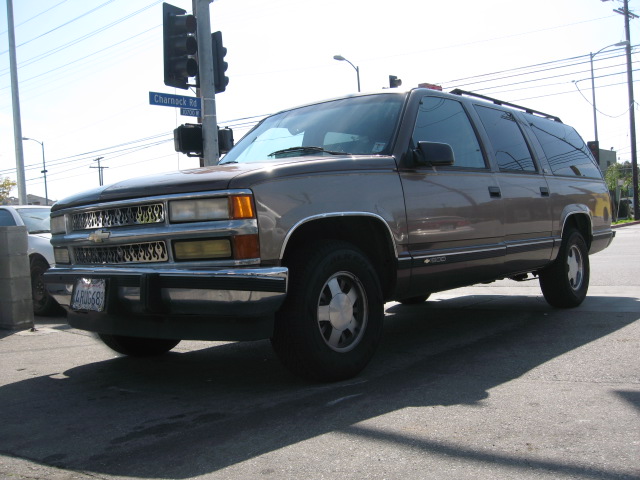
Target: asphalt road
[(486, 382)]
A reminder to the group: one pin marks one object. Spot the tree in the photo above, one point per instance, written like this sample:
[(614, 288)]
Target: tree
[(619, 180), (6, 185)]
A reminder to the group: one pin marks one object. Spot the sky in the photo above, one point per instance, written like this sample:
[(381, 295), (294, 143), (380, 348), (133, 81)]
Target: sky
[(86, 67)]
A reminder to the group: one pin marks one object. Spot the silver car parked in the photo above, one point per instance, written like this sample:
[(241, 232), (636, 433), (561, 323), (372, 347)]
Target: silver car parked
[(36, 219)]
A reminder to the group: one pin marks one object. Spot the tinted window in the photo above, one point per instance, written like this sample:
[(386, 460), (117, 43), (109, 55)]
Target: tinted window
[(565, 150), (509, 145), (6, 219), (445, 121)]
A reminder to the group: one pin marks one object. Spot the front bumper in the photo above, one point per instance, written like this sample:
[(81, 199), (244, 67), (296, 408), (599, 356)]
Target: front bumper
[(216, 304)]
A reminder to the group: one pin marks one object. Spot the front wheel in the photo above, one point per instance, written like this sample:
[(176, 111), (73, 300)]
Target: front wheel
[(565, 283), (331, 323), (43, 303), (138, 346)]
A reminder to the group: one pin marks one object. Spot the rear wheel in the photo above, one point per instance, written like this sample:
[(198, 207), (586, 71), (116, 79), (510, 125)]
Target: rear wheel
[(415, 300), (331, 323), (138, 346), (565, 283)]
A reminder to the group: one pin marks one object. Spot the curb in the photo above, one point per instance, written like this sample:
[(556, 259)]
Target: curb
[(637, 222)]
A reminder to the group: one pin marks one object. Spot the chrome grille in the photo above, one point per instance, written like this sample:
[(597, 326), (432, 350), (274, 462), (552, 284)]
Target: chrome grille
[(133, 253), (119, 217)]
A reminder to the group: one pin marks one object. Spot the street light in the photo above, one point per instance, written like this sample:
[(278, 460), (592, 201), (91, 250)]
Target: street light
[(44, 169), (342, 59), (593, 88)]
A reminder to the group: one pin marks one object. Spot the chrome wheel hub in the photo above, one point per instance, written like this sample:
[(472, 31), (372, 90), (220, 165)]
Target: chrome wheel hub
[(342, 312), (575, 264)]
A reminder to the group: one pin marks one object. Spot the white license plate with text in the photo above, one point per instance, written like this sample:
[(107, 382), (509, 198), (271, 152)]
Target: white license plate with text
[(89, 294)]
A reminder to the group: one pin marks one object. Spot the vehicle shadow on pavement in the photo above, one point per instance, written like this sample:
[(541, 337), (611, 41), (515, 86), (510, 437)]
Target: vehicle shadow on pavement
[(194, 412)]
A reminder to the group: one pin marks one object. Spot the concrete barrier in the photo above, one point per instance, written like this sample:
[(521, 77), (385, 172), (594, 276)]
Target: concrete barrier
[(16, 305)]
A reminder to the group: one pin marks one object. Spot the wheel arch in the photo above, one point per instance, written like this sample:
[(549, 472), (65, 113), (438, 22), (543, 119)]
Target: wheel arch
[(37, 257), (368, 232), (579, 219)]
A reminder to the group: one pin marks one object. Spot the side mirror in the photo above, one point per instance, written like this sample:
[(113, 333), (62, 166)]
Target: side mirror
[(433, 153)]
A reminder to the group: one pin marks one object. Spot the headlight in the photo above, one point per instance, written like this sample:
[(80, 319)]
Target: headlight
[(199, 210), (234, 207), (61, 255), (57, 225)]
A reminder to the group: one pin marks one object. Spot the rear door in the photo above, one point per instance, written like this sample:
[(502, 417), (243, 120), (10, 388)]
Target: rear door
[(523, 188), (454, 214)]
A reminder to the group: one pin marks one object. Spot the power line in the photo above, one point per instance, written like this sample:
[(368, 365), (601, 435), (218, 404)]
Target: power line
[(48, 53), (83, 58), (35, 16), (586, 61)]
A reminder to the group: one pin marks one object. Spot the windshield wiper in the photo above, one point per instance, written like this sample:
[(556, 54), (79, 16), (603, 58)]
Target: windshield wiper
[(304, 150)]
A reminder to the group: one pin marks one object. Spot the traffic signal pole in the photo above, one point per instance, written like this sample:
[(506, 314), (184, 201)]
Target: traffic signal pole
[(211, 153)]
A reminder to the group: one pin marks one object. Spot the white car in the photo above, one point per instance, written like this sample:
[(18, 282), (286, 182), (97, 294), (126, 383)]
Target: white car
[(37, 220)]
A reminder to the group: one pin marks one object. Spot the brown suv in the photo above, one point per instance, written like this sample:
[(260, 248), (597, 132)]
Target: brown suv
[(323, 213)]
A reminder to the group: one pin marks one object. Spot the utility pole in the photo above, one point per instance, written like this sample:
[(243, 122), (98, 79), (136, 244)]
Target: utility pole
[(632, 116), (211, 152), (15, 98), (99, 169)]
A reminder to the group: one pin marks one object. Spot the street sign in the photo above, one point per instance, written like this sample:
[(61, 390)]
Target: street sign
[(190, 112), (179, 101)]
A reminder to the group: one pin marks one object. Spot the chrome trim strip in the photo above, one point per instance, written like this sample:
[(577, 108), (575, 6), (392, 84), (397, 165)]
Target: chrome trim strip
[(463, 252)]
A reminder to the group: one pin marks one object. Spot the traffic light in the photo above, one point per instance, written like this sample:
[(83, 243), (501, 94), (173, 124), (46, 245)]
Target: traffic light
[(180, 45), (394, 82), (220, 80), (187, 139), (594, 146)]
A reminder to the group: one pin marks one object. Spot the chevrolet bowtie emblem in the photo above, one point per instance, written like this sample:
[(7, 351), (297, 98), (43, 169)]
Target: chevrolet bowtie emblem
[(99, 235)]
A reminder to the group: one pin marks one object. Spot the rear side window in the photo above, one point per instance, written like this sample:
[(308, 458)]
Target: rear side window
[(564, 148), (509, 145), (444, 121), (6, 219)]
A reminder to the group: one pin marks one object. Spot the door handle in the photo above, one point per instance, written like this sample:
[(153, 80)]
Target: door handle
[(544, 191), (494, 192)]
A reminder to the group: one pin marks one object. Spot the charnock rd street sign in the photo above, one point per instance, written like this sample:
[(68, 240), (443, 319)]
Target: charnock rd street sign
[(189, 105)]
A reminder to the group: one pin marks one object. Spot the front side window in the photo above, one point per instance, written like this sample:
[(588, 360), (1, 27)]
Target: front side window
[(564, 148), (441, 120), (509, 145), (363, 125)]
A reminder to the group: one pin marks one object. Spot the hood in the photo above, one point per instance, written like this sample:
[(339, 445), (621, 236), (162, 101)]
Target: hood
[(222, 177), (183, 181)]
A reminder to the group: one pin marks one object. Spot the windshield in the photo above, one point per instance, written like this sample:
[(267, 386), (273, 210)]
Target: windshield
[(36, 219), (352, 126)]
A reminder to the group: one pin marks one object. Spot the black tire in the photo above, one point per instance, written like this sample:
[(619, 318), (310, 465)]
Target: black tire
[(138, 346), (415, 300), (565, 283), (331, 323), (43, 303)]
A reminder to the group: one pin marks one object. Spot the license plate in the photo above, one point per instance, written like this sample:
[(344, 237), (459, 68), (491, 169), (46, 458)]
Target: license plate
[(89, 294)]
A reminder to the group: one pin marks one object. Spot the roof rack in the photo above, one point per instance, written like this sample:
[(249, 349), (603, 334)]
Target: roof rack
[(457, 91)]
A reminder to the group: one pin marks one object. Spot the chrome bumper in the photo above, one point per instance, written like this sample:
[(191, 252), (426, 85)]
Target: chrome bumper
[(190, 302)]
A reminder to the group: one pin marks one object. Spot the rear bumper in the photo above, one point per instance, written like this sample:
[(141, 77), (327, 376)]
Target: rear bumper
[(221, 304), (601, 240)]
